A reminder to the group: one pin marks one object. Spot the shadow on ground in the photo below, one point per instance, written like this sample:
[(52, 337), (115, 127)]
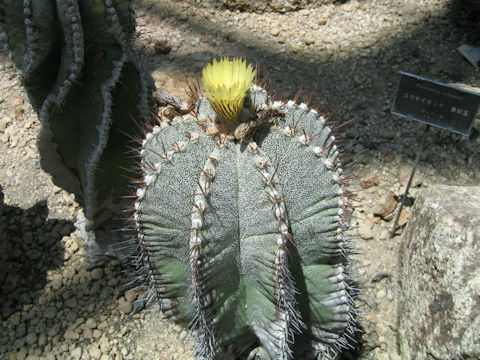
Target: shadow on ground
[(45, 304), (32, 248)]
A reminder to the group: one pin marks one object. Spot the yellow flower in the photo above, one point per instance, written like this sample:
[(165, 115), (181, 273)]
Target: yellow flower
[(226, 84)]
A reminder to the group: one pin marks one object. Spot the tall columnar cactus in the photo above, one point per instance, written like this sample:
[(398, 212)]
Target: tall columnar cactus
[(85, 82), (241, 223)]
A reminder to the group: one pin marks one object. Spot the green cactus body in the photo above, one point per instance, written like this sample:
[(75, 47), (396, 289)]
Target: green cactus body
[(87, 85), (244, 239)]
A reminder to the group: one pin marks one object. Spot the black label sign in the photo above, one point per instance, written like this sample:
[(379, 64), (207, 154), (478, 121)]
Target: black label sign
[(436, 103)]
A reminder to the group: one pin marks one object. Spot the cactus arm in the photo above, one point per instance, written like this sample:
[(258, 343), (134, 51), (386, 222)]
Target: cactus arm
[(114, 163), (72, 60), (105, 63), (34, 35), (107, 166), (30, 27), (102, 137), (85, 116), (41, 50), (40, 32)]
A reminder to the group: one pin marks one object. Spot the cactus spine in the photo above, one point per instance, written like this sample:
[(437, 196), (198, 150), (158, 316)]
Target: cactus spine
[(242, 232), (85, 82)]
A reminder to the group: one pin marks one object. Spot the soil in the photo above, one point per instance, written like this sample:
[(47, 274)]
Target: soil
[(352, 53)]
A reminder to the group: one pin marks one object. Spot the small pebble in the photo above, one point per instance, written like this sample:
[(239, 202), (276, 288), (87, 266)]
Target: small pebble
[(31, 339), (97, 273), (125, 306), (50, 312), (381, 294), (104, 344), (22, 354), (91, 323), (56, 281), (77, 353), (95, 352)]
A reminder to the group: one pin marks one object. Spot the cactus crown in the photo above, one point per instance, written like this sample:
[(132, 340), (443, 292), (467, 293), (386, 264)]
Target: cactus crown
[(226, 84)]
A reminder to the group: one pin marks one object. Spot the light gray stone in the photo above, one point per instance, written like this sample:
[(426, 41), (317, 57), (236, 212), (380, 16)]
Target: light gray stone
[(365, 229), (77, 353), (439, 306), (95, 352), (91, 323), (104, 345), (71, 334)]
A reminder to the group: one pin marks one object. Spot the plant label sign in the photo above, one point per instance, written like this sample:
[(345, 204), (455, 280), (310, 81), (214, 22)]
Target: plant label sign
[(436, 103)]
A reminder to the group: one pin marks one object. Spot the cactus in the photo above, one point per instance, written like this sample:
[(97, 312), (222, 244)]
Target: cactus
[(85, 82), (241, 220)]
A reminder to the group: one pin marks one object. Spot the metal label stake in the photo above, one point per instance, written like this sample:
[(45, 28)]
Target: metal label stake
[(433, 103), (409, 183)]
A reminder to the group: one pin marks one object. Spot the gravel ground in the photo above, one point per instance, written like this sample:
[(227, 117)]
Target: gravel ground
[(53, 308)]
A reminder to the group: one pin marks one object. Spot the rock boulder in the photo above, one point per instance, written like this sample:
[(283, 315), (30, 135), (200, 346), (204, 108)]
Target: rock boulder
[(439, 305)]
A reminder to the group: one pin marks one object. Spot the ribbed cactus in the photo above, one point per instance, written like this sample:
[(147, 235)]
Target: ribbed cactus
[(86, 84), (241, 223)]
